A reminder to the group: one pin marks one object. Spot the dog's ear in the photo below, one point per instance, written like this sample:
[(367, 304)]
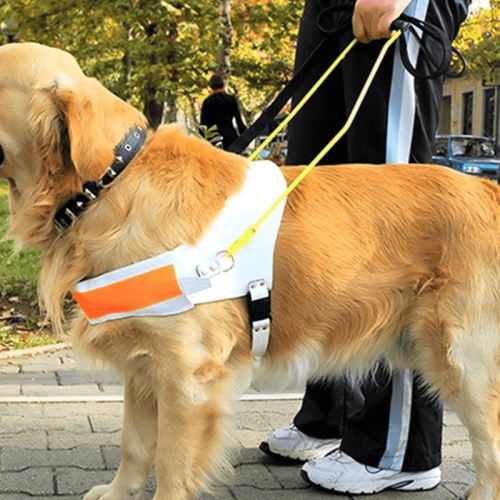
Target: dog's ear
[(82, 122), (82, 110), (49, 132)]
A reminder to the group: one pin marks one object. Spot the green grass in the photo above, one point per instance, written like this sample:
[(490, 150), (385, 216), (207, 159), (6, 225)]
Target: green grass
[(16, 340), (19, 274), (21, 268)]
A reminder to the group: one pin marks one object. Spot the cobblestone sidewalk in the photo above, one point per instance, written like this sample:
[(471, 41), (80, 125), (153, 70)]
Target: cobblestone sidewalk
[(60, 433)]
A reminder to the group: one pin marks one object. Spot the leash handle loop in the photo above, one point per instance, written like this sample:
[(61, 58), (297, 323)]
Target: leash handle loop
[(438, 61)]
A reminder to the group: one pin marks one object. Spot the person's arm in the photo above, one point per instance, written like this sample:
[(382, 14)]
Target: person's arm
[(372, 18), (203, 117), (239, 122)]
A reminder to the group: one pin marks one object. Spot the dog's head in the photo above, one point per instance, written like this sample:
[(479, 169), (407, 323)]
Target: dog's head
[(58, 129)]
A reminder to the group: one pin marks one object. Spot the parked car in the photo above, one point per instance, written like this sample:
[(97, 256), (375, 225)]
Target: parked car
[(275, 152), (469, 154)]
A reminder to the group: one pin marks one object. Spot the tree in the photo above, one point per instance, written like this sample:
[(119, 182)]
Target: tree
[(158, 54), (479, 42), (264, 48), (225, 33)]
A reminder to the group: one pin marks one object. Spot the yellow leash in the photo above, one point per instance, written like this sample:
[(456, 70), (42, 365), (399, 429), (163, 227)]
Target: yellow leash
[(249, 233), (300, 105)]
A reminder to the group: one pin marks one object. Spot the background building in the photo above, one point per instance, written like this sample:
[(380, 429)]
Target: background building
[(471, 107)]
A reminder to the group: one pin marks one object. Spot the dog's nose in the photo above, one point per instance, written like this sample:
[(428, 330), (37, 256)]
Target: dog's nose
[(2, 156)]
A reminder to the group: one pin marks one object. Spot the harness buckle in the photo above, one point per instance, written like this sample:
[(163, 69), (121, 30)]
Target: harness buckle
[(216, 265)]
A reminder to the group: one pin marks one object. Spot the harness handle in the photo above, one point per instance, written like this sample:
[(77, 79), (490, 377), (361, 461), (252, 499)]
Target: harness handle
[(439, 63)]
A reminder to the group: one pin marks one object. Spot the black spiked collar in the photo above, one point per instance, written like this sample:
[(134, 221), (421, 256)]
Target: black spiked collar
[(124, 154)]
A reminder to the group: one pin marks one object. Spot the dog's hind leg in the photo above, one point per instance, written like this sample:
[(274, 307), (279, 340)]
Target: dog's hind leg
[(479, 408), (138, 448), (473, 387)]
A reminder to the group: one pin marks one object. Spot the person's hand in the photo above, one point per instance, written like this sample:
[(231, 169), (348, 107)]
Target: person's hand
[(372, 18)]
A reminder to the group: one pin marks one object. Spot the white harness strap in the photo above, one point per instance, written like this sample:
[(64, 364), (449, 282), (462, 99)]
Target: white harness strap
[(177, 280)]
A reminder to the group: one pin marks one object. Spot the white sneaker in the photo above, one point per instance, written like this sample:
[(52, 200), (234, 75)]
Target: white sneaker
[(339, 472), (289, 442)]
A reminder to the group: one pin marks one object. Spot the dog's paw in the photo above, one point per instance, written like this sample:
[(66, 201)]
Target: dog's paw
[(107, 492), (475, 493), (98, 493)]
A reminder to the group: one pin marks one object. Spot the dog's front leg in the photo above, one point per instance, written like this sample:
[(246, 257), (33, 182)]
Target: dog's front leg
[(138, 449), (193, 420)]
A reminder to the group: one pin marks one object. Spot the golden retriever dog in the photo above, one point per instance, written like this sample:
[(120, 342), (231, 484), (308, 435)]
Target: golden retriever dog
[(397, 264)]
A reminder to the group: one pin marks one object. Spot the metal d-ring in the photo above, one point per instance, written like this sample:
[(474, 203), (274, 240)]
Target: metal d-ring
[(227, 263)]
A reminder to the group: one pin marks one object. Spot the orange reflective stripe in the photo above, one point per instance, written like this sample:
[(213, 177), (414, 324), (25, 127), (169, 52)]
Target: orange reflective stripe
[(130, 294)]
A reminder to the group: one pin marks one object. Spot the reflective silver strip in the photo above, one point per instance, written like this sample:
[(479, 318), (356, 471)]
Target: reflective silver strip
[(399, 421), (402, 100)]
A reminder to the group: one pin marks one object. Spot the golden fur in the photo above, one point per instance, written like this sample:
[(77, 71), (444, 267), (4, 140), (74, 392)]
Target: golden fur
[(395, 263)]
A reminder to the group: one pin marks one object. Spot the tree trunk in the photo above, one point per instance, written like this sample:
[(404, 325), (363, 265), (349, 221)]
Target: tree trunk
[(225, 32), (127, 62), (170, 111), (153, 108)]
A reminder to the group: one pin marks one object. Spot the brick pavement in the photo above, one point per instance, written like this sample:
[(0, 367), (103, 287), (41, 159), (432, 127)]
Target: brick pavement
[(60, 433)]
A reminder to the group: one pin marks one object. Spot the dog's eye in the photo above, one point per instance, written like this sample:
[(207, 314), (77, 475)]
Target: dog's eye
[(2, 156)]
